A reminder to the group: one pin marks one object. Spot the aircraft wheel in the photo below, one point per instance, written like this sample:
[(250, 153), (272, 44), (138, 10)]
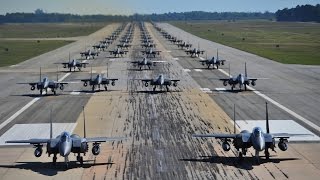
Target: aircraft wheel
[(267, 154), (54, 160), (240, 156), (81, 160)]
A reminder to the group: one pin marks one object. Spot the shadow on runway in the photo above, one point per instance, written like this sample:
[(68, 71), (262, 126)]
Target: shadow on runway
[(38, 95), (208, 69), (77, 71), (156, 92), (95, 91), (235, 91), (139, 70), (48, 169), (247, 163)]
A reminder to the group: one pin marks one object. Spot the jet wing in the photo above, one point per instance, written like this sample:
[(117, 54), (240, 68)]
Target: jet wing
[(110, 79), (60, 82), (217, 136), (224, 79), (83, 63), (146, 80), (287, 135), (175, 80), (63, 63), (85, 80), (30, 83), (203, 61), (30, 141), (104, 139)]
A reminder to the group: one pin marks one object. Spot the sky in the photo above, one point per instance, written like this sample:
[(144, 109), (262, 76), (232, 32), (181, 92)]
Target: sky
[(127, 7)]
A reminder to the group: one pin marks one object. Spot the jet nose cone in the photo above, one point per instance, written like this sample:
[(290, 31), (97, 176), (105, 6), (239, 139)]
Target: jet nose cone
[(64, 151)]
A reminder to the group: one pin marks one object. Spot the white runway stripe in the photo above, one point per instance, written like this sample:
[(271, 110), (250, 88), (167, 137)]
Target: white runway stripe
[(18, 113)]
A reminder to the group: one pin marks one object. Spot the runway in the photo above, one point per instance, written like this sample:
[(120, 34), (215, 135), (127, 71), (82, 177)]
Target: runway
[(158, 126)]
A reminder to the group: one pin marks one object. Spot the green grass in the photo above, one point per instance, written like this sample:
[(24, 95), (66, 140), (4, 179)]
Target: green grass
[(13, 52), (299, 43), (48, 30)]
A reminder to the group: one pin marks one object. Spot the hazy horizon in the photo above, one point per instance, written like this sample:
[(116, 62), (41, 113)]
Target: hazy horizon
[(129, 7)]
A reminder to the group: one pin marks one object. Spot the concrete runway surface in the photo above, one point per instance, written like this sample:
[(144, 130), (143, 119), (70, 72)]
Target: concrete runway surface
[(159, 125)]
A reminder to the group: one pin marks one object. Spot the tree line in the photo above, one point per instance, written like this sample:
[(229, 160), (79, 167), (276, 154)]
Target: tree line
[(304, 13), (299, 13), (39, 17)]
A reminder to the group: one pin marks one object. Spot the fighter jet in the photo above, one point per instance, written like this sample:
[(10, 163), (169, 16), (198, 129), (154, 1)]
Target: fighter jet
[(242, 80), (124, 45), (184, 45), (106, 42), (45, 83), (259, 140), (218, 62), (100, 47), (144, 41), (118, 52), (88, 54), (125, 40), (151, 52), (160, 81), (73, 64), (148, 45), (175, 40), (145, 63), (194, 52), (98, 81), (67, 143)]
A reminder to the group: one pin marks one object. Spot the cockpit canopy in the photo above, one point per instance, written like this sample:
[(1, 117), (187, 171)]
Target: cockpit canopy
[(257, 131), (65, 137)]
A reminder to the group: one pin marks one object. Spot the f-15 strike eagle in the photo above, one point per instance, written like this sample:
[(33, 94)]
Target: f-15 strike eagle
[(213, 61), (160, 81), (73, 64), (145, 63), (124, 45), (88, 54), (67, 143), (175, 40), (118, 52), (144, 41), (99, 80), (242, 80), (148, 45), (184, 45), (195, 52), (101, 46), (126, 40), (45, 84), (151, 52), (259, 140)]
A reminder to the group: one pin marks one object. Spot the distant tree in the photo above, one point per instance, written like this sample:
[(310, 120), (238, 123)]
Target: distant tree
[(302, 13)]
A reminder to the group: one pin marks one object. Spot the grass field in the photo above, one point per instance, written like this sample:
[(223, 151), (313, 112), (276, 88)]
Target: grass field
[(48, 30), (13, 52), (285, 42)]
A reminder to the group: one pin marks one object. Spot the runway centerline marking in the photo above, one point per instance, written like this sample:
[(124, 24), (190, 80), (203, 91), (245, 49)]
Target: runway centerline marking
[(15, 115), (308, 122), (198, 70)]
